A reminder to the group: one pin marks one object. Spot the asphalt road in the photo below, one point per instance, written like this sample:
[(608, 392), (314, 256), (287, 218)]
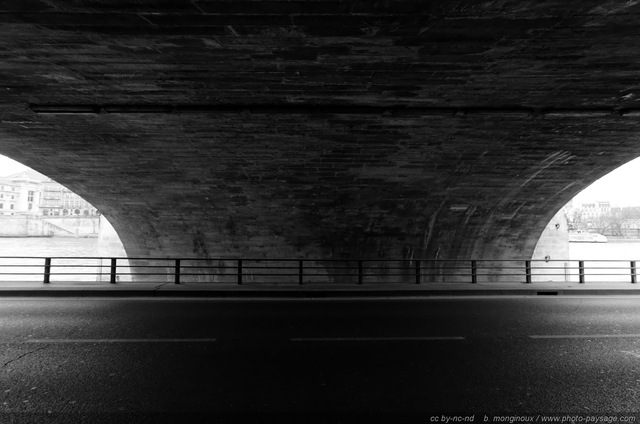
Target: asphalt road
[(196, 360)]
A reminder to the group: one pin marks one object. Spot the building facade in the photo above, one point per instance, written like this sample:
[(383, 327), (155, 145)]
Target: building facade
[(58, 200), (31, 193), (596, 209)]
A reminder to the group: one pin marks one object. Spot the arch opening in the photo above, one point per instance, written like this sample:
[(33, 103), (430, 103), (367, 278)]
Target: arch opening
[(40, 218), (595, 237)]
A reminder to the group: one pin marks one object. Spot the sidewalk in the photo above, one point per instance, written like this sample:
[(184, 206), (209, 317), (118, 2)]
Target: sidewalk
[(79, 289)]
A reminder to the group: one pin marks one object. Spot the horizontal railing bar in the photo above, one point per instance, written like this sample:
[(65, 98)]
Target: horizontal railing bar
[(424, 261), (171, 261), (331, 274), (213, 267), (409, 270), (599, 267), (307, 275)]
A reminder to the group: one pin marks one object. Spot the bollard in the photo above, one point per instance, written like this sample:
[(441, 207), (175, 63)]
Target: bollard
[(47, 270)]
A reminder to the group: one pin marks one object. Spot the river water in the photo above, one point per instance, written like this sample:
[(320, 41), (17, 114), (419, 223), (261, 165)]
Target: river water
[(85, 270), (603, 262), (48, 246), (16, 268), (613, 250)]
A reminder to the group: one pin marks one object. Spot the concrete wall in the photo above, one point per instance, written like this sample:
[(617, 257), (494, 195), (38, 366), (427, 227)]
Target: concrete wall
[(308, 189), (71, 227), (550, 258), (110, 246), (20, 226)]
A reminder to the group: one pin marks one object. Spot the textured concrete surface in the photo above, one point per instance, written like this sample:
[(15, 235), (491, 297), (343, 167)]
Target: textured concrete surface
[(329, 129)]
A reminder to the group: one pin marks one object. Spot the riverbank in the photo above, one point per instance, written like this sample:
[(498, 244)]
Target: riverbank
[(49, 226), (619, 239)]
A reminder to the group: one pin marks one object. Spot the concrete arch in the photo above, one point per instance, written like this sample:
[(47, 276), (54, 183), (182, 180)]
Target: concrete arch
[(242, 134), (327, 186)]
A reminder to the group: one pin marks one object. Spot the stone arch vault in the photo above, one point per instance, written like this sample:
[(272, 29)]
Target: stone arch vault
[(357, 130)]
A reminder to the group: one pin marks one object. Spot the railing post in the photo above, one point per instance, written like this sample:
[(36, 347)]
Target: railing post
[(474, 272), (239, 272), (417, 271), (47, 270), (359, 272), (633, 272), (527, 265), (112, 279), (581, 271), (177, 271), (300, 272)]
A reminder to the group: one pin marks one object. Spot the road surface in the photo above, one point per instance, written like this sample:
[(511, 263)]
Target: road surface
[(198, 360)]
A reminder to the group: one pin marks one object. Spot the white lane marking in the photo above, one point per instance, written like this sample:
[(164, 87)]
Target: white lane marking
[(371, 339), (120, 340), (585, 336)]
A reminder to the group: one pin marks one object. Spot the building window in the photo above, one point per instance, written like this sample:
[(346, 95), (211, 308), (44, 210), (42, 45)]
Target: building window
[(11, 207), (30, 206), (30, 196), (45, 212)]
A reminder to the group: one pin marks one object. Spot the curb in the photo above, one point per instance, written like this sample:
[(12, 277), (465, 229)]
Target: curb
[(301, 294)]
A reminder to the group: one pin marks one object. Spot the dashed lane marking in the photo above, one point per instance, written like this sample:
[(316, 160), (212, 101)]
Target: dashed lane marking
[(585, 336), (373, 339), (53, 341)]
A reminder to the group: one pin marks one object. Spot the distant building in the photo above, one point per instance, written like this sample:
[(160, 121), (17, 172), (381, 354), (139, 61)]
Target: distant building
[(31, 193), (20, 194), (58, 200), (593, 210)]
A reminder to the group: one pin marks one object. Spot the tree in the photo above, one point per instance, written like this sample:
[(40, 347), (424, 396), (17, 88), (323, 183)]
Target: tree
[(615, 220), (600, 223), (574, 219)]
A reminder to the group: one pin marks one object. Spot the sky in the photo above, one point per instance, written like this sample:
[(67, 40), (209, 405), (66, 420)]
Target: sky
[(9, 166), (620, 187)]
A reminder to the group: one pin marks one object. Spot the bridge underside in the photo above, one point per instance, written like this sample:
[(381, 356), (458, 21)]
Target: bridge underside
[(322, 129)]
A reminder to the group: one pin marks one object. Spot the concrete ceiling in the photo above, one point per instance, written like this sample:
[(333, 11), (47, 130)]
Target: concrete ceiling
[(309, 128)]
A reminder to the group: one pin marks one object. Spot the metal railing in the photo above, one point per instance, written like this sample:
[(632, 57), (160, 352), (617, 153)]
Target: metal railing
[(311, 271)]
